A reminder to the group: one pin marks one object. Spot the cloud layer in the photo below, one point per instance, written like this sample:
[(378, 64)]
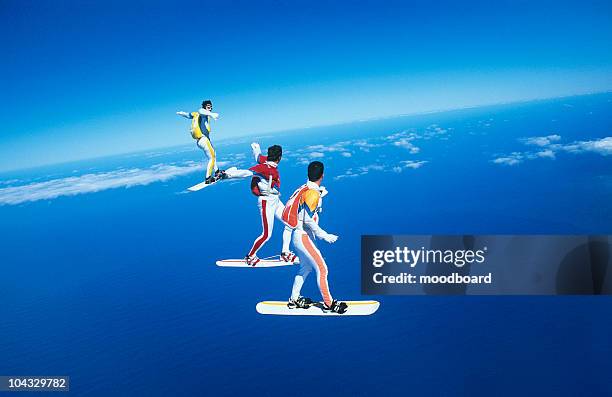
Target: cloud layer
[(549, 148), (95, 182), (382, 161)]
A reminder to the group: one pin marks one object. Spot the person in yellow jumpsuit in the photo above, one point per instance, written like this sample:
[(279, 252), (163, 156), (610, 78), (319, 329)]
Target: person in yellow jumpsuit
[(200, 131)]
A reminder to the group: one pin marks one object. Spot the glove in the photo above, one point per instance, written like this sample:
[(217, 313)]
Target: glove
[(215, 116), (330, 238), (184, 114), (323, 191), (255, 147)]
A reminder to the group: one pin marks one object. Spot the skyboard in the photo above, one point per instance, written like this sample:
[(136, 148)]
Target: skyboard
[(274, 261), (232, 173), (355, 308)]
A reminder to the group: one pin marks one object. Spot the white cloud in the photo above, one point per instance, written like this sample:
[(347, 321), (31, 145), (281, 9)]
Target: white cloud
[(413, 164), (601, 146), (549, 150), (323, 148), (365, 145), (319, 151), (435, 130), (351, 173), (10, 182), (513, 159), (541, 140), (546, 153), (371, 167), (96, 182), (409, 135), (406, 144), (347, 175), (507, 161)]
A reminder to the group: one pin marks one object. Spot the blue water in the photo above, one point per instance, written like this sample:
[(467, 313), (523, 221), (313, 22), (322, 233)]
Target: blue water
[(118, 289)]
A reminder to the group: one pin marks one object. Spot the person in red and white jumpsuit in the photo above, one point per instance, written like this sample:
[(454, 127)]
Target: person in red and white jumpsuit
[(265, 184)]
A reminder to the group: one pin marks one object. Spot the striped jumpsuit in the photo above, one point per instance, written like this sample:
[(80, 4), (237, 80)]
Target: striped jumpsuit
[(298, 214)]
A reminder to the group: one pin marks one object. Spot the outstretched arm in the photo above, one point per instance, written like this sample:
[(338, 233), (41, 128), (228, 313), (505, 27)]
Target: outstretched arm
[(256, 151), (185, 114)]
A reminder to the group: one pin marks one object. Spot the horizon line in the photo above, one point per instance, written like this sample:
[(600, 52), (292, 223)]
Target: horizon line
[(366, 120)]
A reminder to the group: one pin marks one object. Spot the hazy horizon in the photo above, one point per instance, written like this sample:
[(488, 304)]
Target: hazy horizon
[(223, 139)]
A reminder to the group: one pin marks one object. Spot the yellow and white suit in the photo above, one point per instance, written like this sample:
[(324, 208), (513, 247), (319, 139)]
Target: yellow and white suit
[(200, 131)]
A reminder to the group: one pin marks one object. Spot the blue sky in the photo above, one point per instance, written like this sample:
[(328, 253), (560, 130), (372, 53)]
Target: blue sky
[(87, 79)]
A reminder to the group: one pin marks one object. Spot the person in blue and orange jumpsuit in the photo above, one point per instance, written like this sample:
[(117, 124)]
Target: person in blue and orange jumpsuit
[(298, 214)]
